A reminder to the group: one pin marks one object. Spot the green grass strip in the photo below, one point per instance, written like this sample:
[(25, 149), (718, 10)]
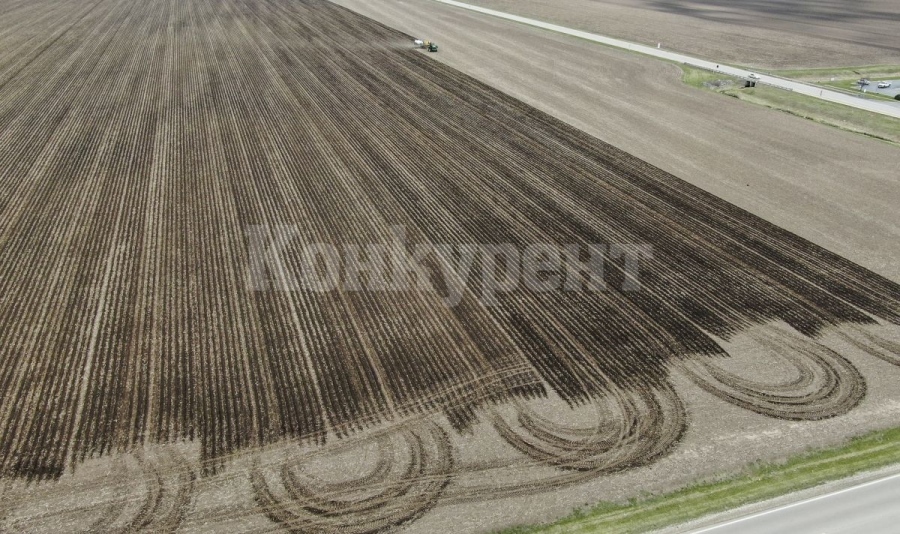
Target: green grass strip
[(831, 114), (756, 483)]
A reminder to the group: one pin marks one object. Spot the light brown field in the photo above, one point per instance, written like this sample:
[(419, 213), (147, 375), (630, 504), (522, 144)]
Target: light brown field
[(771, 34)]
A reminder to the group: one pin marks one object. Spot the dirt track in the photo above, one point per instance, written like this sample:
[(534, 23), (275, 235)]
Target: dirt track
[(143, 141), (765, 34)]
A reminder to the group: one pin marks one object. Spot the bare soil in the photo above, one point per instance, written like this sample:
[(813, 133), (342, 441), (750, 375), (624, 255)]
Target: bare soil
[(834, 188), (770, 34), (146, 384)]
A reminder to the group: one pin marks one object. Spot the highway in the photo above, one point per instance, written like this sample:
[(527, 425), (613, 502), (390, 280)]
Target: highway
[(882, 107), (870, 508)]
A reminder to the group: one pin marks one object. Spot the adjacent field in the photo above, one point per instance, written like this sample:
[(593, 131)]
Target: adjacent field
[(143, 141), (770, 33)]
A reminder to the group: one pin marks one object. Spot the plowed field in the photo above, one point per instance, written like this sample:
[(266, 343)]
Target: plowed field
[(140, 144)]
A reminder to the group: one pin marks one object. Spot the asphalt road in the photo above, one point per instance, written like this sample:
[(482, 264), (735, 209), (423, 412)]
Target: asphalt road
[(884, 108), (870, 508), (894, 89)]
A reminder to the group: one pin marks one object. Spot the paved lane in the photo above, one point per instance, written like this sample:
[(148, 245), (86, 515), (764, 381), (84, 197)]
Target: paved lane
[(884, 108), (871, 508)]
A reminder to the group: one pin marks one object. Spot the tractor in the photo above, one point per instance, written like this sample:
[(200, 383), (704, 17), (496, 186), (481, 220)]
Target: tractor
[(427, 45)]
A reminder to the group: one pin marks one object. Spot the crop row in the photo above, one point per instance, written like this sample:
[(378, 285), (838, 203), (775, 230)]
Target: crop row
[(140, 140)]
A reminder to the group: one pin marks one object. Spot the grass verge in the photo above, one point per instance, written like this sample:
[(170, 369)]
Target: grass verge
[(756, 483), (839, 116)]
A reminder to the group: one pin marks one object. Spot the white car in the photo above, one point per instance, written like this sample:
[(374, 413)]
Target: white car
[(884, 85), (753, 75)]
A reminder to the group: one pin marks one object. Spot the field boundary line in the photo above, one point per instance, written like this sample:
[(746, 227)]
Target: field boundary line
[(698, 505)]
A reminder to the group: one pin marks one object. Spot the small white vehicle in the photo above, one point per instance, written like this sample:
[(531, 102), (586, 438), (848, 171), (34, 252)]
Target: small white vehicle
[(753, 75), (884, 85), (419, 43)]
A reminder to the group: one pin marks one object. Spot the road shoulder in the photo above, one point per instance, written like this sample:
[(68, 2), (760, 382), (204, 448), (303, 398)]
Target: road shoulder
[(757, 488), (796, 497)]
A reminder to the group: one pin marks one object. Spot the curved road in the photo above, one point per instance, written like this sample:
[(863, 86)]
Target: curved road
[(884, 108), (870, 508)]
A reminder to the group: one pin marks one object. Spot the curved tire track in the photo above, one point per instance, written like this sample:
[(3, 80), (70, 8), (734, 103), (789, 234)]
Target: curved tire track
[(827, 384), (635, 428), (387, 496)]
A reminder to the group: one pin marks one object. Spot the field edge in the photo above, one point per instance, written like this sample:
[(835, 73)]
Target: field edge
[(756, 483), (856, 121)]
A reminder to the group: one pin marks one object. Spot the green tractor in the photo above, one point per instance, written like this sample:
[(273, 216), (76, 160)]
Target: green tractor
[(427, 45)]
